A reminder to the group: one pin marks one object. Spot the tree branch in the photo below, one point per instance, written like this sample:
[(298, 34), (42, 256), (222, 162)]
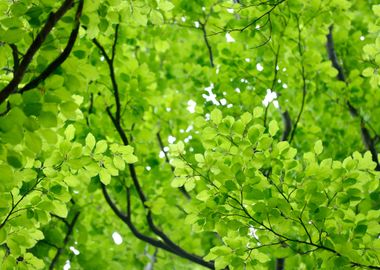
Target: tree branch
[(16, 60), (65, 241), (210, 54), (62, 57), (52, 20), (368, 141)]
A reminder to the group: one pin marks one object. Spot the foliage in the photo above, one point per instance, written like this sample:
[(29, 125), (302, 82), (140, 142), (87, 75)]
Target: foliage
[(208, 134)]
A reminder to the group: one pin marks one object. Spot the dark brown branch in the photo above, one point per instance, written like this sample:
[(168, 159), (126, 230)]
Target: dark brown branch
[(65, 241), (368, 141), (6, 110), (52, 20), (210, 54), (110, 61), (182, 189), (332, 55), (287, 125), (156, 243), (169, 245), (62, 57), (16, 60)]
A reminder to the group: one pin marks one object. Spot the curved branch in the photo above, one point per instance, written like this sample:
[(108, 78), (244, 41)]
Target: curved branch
[(62, 57), (59, 251), (52, 20), (369, 142)]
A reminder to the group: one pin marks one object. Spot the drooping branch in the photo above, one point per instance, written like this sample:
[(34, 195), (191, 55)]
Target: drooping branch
[(167, 243), (287, 125), (368, 141), (156, 243), (62, 57), (110, 63), (52, 20), (205, 38), (69, 232), (16, 60)]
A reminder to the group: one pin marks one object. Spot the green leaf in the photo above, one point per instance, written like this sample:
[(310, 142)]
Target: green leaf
[(90, 141), (318, 147), (156, 17), (131, 159), (101, 147), (165, 5), (216, 116), (105, 177), (119, 163), (70, 132), (273, 127)]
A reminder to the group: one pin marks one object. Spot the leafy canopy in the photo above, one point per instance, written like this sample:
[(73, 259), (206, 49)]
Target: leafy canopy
[(189, 134)]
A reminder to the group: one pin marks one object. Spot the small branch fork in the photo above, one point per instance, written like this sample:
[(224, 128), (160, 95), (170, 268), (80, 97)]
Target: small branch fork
[(21, 67), (165, 242), (368, 141)]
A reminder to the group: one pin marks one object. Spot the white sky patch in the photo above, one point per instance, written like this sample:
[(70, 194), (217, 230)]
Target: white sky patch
[(279, 81), (189, 128), (252, 232), (223, 101), (67, 265), (191, 149), (284, 85), (207, 116), (224, 93), (74, 250), (181, 131), (230, 10), (186, 140), (237, 90), (171, 139), (166, 149), (270, 97), (203, 9), (183, 19), (284, 69), (257, 26), (191, 106), (148, 168), (211, 96), (277, 68), (247, 60), (259, 67), (229, 106), (229, 38), (168, 109), (196, 23), (217, 69), (117, 238), (362, 38), (276, 104), (162, 154), (102, 58)]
